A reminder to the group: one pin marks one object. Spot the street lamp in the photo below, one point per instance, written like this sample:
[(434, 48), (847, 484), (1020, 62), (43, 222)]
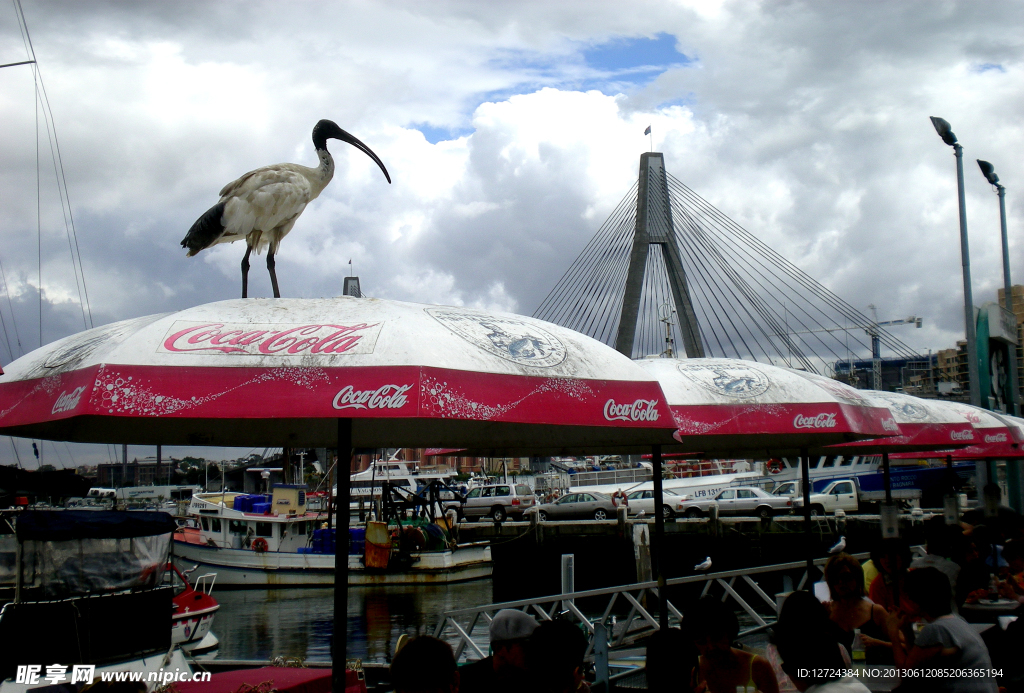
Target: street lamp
[(989, 171), (946, 133)]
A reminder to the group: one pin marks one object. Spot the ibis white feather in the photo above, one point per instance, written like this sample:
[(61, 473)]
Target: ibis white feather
[(263, 205)]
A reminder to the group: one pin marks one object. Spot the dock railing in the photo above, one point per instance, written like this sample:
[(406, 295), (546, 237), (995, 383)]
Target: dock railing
[(467, 628)]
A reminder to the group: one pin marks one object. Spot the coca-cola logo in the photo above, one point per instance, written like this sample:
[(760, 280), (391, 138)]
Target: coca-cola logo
[(995, 438), (890, 425), (250, 339), (67, 400), (819, 421), (384, 397), (962, 435), (640, 410)]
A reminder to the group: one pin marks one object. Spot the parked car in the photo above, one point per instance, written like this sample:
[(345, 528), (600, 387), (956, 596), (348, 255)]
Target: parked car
[(737, 500), (643, 501), (498, 501), (579, 506)]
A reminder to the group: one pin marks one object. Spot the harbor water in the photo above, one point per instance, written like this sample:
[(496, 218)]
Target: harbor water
[(297, 622)]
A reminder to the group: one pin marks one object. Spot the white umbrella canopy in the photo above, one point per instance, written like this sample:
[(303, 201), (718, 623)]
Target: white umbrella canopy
[(924, 425), (725, 406), (283, 371)]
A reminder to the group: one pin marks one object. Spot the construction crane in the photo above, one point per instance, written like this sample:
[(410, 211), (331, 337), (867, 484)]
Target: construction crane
[(876, 343)]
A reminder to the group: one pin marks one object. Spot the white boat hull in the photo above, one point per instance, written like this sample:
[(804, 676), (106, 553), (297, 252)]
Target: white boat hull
[(245, 568)]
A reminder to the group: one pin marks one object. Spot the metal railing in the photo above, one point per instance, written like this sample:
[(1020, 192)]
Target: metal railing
[(467, 628)]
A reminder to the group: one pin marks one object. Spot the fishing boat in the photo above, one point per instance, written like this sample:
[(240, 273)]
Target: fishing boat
[(271, 541)]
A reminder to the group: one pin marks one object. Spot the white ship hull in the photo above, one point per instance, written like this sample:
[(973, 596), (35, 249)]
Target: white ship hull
[(245, 568)]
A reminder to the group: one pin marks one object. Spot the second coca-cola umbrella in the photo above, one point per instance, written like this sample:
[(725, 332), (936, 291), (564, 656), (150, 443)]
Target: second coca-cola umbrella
[(729, 406)]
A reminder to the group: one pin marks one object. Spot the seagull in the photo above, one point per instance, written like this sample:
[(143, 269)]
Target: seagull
[(840, 545), (262, 206), (705, 566)]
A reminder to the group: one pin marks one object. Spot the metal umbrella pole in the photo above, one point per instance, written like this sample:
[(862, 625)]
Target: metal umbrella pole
[(339, 643), (805, 483), (659, 538)]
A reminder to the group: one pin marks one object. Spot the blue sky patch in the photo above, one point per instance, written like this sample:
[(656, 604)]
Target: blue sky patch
[(436, 134), (985, 67), (632, 53)]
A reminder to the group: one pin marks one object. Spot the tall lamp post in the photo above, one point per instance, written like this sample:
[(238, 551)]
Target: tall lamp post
[(989, 171), (946, 133)]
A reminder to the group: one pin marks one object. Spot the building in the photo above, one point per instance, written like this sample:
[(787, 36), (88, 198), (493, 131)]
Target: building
[(914, 375), (145, 472), (1017, 296)]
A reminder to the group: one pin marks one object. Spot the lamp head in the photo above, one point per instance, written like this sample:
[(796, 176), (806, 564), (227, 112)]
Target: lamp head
[(945, 131), (989, 171)]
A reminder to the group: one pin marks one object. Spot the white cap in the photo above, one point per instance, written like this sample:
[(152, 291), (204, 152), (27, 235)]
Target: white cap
[(511, 624)]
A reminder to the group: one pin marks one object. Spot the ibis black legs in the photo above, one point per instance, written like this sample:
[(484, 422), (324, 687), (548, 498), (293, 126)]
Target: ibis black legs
[(339, 644), (273, 274), (245, 272), (270, 268)]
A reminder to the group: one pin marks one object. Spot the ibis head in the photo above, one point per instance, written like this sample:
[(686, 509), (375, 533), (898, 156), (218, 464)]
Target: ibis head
[(328, 129), (989, 171)]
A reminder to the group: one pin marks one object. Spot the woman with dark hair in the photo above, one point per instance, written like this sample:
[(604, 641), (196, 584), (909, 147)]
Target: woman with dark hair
[(947, 642), (722, 668), (850, 610)]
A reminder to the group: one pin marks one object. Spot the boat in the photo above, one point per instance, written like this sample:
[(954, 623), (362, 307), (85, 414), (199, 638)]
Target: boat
[(194, 609), (76, 576), (365, 486), (272, 541)]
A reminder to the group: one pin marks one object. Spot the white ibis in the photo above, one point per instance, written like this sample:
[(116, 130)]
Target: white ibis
[(262, 205), (839, 546), (704, 566)]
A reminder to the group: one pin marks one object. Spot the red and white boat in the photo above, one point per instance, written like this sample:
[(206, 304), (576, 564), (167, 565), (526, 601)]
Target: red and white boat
[(194, 608)]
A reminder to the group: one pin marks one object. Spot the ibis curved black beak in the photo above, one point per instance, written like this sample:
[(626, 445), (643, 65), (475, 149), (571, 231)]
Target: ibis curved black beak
[(355, 142)]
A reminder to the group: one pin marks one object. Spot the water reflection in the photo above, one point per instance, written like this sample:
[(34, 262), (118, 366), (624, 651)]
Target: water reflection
[(262, 624)]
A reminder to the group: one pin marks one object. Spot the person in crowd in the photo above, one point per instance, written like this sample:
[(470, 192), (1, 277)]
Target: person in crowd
[(893, 561), (555, 659), (505, 669), (975, 576), (1013, 553), (805, 642), (804, 617), (425, 665), (946, 642), (721, 667), (939, 542), (849, 610), (669, 660), (870, 567)]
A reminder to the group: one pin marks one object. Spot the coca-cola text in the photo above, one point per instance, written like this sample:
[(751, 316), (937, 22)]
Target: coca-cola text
[(248, 339), (640, 410), (67, 400), (384, 397), (819, 421)]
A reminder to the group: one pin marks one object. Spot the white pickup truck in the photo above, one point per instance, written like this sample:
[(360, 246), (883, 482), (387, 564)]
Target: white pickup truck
[(841, 494), (845, 495)]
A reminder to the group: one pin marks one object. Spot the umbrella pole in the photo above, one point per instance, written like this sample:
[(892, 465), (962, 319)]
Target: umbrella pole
[(340, 640), (805, 484), (659, 538), (885, 476)]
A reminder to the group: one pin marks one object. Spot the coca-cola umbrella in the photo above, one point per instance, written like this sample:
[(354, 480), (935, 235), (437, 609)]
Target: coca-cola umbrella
[(730, 406), (335, 372)]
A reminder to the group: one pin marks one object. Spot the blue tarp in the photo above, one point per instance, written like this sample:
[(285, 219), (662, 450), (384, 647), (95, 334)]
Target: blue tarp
[(66, 525)]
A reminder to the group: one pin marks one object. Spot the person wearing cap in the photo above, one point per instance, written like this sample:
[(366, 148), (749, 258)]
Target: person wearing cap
[(505, 669)]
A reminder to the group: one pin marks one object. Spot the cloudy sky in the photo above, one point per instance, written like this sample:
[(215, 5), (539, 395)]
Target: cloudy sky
[(510, 129)]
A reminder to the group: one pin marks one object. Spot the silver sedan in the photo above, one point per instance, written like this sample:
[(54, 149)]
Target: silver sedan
[(579, 506)]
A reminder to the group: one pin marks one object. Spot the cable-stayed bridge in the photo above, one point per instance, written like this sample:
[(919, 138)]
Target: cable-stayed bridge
[(669, 271)]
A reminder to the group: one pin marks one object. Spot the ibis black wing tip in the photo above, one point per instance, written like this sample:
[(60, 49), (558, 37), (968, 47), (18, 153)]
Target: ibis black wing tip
[(207, 229)]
